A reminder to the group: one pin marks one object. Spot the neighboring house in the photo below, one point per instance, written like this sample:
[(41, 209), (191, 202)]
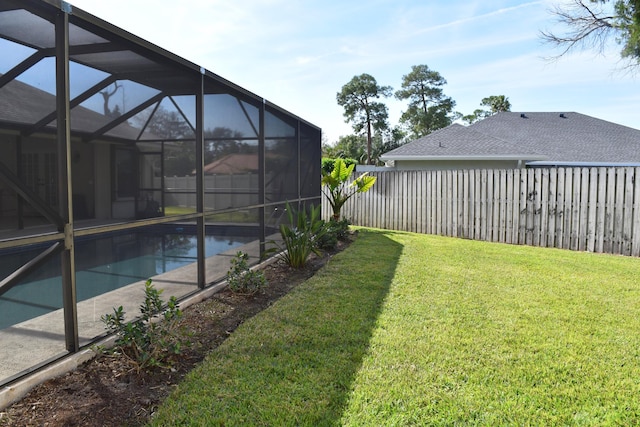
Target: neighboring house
[(31, 112), (232, 164), (514, 140)]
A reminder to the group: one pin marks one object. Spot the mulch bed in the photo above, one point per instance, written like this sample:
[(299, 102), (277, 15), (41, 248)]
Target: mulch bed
[(108, 390)]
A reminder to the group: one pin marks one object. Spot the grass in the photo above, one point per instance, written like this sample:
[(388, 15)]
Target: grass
[(294, 363), (178, 210), (242, 216), (407, 329)]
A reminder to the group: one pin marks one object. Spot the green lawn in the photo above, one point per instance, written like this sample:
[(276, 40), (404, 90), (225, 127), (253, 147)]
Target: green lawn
[(407, 329), (241, 216)]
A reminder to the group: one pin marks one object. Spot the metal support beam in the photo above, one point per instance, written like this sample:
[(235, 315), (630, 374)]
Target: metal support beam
[(69, 300), (19, 172), (200, 182), (299, 158), (74, 103), (16, 184), (261, 179), (246, 114), (21, 68), (184, 116), (14, 278), (123, 118)]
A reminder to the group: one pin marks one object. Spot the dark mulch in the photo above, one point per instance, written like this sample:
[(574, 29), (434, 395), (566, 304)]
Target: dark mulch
[(108, 390)]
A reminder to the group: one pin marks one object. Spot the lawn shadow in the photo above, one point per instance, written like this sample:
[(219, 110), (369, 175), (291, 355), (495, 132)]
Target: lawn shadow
[(379, 256), (295, 363)]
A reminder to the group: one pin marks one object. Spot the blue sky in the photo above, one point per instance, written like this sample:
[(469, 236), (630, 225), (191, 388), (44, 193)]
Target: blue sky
[(298, 54)]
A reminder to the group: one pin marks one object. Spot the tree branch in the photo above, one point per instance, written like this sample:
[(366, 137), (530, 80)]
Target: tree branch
[(587, 27)]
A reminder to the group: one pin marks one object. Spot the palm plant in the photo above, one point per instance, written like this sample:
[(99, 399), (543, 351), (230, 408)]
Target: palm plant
[(336, 187)]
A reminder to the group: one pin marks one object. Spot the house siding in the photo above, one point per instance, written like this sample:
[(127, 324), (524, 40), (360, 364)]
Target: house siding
[(456, 164)]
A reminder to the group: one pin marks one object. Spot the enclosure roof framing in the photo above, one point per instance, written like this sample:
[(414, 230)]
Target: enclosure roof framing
[(105, 49)]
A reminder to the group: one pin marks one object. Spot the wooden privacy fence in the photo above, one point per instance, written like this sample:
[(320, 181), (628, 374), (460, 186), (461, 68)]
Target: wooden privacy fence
[(585, 209)]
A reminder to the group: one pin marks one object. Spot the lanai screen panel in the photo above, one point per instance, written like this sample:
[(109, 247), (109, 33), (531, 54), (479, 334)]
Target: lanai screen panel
[(28, 166), (281, 157), (143, 106), (231, 153), (310, 162), (136, 136), (27, 95)]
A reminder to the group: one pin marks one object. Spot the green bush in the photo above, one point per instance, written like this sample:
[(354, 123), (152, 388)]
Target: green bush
[(243, 280), (334, 231), (341, 228), (329, 240), (328, 163), (153, 340)]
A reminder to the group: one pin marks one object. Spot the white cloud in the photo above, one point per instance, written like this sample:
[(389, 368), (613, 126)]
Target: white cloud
[(473, 19)]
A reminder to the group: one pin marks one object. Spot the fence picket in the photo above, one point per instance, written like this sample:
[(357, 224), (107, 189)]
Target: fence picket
[(635, 228), (552, 210), (567, 209), (584, 209), (592, 210), (627, 220)]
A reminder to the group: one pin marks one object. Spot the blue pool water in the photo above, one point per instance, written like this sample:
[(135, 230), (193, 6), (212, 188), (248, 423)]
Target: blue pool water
[(102, 264)]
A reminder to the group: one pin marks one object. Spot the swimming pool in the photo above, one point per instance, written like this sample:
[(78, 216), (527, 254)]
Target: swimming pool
[(103, 264)]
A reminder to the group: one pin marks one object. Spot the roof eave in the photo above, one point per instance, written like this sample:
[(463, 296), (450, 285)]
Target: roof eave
[(449, 158)]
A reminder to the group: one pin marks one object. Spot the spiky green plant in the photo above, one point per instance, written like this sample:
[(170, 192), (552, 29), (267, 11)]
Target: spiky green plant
[(336, 187), (301, 234)]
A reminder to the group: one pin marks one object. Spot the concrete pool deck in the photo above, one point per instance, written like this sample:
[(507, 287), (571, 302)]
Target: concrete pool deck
[(33, 343)]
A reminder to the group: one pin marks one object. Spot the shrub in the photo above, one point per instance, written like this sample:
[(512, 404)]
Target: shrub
[(334, 232), (243, 280), (341, 228), (328, 163), (301, 236), (152, 340), (329, 239)]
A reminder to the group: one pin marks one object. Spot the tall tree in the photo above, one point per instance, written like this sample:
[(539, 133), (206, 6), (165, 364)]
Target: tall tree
[(496, 104), (590, 24), (358, 98), (429, 108)]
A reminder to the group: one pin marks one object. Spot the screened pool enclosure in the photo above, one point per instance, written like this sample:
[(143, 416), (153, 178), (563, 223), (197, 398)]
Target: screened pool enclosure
[(119, 162)]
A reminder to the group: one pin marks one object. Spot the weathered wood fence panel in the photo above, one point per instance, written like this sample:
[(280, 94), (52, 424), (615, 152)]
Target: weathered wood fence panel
[(585, 209)]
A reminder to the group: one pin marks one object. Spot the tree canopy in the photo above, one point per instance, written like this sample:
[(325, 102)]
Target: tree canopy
[(429, 108), (496, 104), (592, 23), (353, 146), (358, 98)]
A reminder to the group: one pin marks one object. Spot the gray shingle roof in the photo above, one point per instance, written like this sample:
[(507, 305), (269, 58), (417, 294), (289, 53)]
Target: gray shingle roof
[(23, 104), (555, 137), (460, 141)]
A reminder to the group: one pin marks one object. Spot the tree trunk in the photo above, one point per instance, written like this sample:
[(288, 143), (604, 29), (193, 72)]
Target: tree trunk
[(369, 142)]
